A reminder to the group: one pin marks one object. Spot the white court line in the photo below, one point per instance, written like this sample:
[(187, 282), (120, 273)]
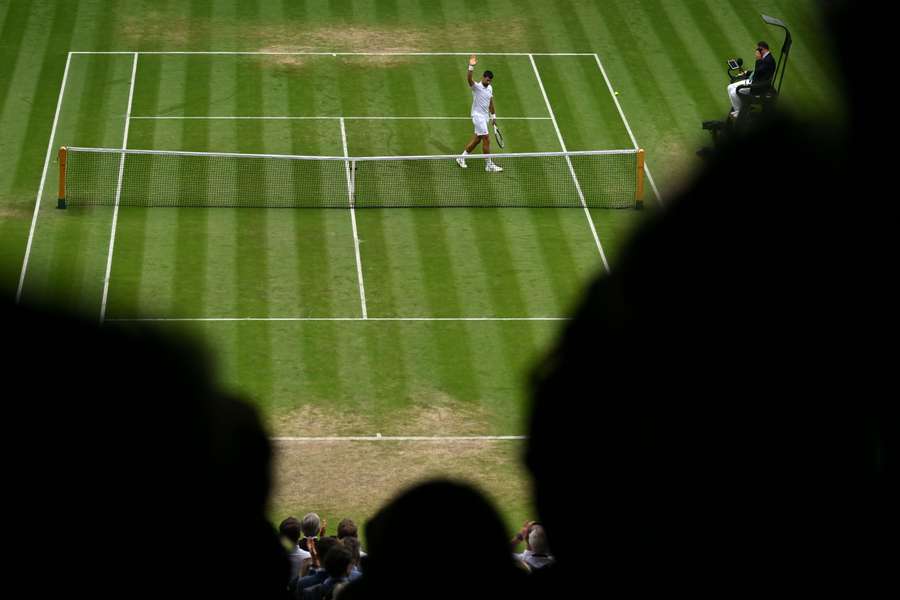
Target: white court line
[(359, 274), (403, 438), (283, 118), (571, 168), (312, 319), (37, 202), (615, 98), (228, 53), (115, 220)]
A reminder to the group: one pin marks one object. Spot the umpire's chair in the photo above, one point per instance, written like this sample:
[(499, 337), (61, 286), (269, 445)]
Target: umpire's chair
[(758, 99)]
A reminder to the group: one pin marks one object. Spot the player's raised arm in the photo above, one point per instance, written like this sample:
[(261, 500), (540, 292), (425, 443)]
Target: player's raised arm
[(473, 60)]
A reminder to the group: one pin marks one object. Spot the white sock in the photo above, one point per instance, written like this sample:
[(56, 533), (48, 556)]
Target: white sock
[(465, 153)]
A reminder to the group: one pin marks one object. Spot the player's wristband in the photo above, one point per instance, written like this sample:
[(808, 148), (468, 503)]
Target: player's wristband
[(494, 117), (471, 68)]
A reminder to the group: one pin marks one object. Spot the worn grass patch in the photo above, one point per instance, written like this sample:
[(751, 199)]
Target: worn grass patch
[(432, 413), (16, 206), (14, 212), (172, 32), (355, 479)]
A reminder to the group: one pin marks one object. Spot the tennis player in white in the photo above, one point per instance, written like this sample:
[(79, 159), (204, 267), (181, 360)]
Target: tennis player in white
[(482, 110)]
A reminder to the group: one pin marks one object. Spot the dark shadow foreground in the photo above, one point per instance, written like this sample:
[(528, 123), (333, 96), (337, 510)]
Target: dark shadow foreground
[(713, 421), (128, 475)]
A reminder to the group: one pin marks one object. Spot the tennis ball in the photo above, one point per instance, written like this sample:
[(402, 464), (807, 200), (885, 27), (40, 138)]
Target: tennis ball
[(334, 54), (617, 93)]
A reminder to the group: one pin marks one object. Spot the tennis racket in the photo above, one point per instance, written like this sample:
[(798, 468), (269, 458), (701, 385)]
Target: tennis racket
[(498, 136)]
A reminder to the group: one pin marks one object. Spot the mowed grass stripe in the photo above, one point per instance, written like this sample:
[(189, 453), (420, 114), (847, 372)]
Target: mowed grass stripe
[(503, 258), (498, 236), (67, 262), (391, 354), (654, 114), (388, 361), (312, 254), (553, 231), (18, 18), (544, 30), (447, 83), (251, 228), (222, 271), (125, 292), (585, 111), (392, 267), (131, 226), (24, 119), (278, 263), (500, 255), (653, 93), (316, 259), (516, 84), (429, 226), (386, 13), (303, 257), (160, 81), (709, 46), (373, 389), (475, 274), (423, 275), (588, 119), (566, 14), (487, 273), (677, 61), (4, 13), (506, 354), (438, 267), (78, 239), (333, 366), (191, 231), (566, 256)]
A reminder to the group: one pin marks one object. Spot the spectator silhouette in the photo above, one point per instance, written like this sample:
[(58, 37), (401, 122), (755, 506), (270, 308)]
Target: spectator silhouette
[(337, 563), (290, 530), (315, 573), (713, 403), (156, 480), (465, 552)]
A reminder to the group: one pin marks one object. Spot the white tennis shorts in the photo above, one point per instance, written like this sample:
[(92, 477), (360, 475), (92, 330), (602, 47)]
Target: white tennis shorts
[(481, 124)]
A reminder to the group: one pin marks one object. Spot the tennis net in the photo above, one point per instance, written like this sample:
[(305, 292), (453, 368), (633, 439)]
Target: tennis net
[(105, 176)]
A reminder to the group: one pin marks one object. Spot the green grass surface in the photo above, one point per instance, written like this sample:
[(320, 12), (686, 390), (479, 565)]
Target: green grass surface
[(351, 377)]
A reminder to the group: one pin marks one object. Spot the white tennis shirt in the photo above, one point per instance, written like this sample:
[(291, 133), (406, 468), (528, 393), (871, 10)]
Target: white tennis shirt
[(481, 99)]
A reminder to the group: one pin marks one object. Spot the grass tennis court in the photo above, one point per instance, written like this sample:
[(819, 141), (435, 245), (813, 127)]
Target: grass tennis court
[(376, 322)]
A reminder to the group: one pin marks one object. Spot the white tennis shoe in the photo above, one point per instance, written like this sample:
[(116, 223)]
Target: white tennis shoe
[(492, 168), (461, 162)]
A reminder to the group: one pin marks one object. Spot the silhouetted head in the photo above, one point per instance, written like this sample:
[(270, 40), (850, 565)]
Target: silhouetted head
[(290, 529), (132, 428), (311, 525), (462, 522), (346, 528)]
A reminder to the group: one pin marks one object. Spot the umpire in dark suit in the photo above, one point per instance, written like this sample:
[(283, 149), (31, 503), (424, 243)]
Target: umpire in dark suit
[(760, 79)]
